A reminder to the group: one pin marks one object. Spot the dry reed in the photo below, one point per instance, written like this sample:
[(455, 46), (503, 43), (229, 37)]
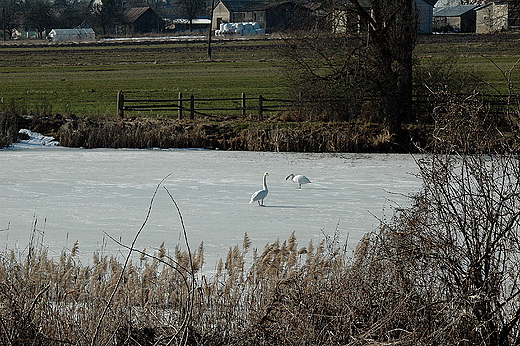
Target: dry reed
[(269, 135), (288, 295)]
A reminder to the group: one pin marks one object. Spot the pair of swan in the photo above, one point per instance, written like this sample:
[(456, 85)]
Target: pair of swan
[(259, 195)]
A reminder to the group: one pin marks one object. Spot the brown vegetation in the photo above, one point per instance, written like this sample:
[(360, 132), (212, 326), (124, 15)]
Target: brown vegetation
[(275, 134), (228, 135)]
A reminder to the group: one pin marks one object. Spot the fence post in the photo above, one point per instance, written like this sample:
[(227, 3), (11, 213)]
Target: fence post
[(180, 106), (243, 105), (260, 107), (120, 104), (192, 107)]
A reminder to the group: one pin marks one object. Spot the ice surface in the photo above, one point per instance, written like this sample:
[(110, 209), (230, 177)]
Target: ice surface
[(79, 194)]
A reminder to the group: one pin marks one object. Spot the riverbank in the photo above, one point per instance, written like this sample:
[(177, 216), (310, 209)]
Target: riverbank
[(226, 134)]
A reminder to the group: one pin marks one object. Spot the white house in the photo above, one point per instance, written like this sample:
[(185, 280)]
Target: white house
[(491, 18), (72, 35), (423, 9)]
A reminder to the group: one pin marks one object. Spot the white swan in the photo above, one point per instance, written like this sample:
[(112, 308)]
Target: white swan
[(300, 179), (260, 194)]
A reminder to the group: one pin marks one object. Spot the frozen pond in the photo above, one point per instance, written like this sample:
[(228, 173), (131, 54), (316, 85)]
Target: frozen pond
[(79, 194)]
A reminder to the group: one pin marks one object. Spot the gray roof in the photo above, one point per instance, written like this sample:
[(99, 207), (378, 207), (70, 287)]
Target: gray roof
[(368, 3), (73, 31), (456, 11)]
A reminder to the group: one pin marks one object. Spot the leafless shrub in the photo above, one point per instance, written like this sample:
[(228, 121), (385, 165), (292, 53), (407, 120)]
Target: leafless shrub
[(454, 255)]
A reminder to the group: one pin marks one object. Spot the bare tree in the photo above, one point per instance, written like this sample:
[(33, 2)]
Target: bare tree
[(107, 14), (11, 11), (38, 15), (457, 249), (190, 9), (368, 49)]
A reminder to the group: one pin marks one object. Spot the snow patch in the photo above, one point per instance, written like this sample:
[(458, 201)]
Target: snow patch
[(35, 140)]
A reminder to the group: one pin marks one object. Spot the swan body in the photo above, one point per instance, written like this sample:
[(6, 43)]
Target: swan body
[(300, 179), (259, 195)]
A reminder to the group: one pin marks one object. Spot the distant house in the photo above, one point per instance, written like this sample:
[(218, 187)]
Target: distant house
[(224, 12), (491, 18), (273, 17), (141, 20), (72, 35), (20, 34), (423, 8), (461, 18)]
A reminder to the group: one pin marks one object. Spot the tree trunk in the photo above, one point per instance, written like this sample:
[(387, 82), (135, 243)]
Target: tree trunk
[(392, 38)]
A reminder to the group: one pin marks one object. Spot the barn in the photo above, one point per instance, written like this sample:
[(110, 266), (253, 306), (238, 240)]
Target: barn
[(72, 35), (273, 16), (460, 18), (424, 10), (343, 21), (141, 20)]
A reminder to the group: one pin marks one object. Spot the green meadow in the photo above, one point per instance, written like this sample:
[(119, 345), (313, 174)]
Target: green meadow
[(84, 79), (491, 58)]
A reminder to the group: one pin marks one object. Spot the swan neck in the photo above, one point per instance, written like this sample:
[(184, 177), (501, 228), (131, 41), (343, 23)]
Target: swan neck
[(265, 182)]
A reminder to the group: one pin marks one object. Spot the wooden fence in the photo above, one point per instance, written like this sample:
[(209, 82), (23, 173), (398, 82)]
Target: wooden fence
[(194, 106), (497, 104)]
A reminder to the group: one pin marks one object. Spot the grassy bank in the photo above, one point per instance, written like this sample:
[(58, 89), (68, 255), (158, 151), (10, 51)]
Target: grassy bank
[(272, 134), (70, 83)]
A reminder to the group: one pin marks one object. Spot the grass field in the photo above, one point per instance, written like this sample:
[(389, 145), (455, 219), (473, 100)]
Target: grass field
[(493, 58), (85, 79)]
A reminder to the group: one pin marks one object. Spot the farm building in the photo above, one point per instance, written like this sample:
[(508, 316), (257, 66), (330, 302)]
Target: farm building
[(72, 35), (424, 10), (141, 20), (20, 34), (460, 18), (273, 17), (491, 18)]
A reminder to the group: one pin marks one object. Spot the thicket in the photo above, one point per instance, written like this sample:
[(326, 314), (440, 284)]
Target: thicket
[(443, 271)]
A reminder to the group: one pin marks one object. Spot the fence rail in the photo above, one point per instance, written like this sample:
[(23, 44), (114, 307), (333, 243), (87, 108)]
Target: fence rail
[(194, 106)]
